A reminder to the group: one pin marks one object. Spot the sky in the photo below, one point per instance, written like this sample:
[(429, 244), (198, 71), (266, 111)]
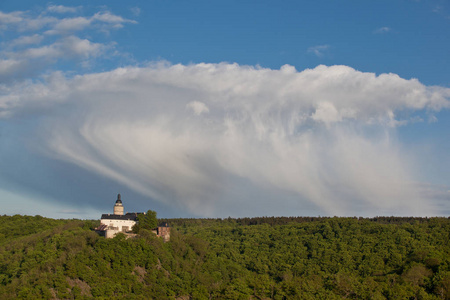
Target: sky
[(225, 108)]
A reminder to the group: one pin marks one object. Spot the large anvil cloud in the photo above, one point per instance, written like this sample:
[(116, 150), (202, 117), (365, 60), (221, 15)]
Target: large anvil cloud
[(224, 139)]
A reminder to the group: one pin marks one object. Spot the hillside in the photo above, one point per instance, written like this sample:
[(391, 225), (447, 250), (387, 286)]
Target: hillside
[(258, 258)]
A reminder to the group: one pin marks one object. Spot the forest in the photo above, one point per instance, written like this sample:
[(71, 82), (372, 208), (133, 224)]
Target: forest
[(246, 258)]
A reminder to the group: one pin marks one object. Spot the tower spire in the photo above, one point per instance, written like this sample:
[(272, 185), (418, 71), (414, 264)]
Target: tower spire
[(118, 207)]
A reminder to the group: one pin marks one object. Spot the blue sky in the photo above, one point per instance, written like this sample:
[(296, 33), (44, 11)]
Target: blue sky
[(217, 109)]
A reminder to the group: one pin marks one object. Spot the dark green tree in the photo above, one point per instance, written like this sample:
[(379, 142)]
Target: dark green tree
[(146, 221)]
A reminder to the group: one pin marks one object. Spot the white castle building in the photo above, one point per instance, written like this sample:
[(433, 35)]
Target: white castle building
[(112, 224)]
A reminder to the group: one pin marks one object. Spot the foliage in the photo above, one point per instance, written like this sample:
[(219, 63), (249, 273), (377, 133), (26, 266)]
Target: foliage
[(258, 258), (147, 221)]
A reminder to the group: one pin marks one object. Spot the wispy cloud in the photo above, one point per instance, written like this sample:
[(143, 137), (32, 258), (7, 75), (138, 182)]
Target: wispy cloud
[(382, 30), (197, 107), (211, 137), (43, 39), (136, 11), (62, 9), (27, 21), (71, 24), (103, 21), (24, 41), (208, 138), (69, 47), (432, 119), (10, 18), (21, 21), (442, 11), (319, 50)]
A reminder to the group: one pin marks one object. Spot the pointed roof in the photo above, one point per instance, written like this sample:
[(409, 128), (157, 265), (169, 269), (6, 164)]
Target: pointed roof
[(118, 199)]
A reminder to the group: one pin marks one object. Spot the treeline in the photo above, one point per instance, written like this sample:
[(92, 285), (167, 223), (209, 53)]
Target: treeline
[(323, 258), (15, 226), (287, 220)]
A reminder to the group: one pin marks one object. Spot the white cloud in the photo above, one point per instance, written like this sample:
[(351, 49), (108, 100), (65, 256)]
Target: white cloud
[(198, 107), (26, 21), (11, 18), (7, 65), (382, 30), (62, 9), (318, 50), (256, 132), (327, 113), (9, 69), (70, 47), (17, 69), (81, 47), (71, 24), (135, 11), (25, 40), (22, 64), (35, 24), (54, 39), (432, 119), (106, 20), (50, 51), (110, 18)]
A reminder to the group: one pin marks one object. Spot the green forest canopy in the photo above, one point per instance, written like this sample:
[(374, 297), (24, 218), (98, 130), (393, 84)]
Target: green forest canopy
[(249, 258)]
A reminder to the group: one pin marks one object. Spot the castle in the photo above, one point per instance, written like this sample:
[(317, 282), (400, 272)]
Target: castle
[(112, 224)]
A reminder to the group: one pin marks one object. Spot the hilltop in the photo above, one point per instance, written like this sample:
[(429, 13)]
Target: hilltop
[(249, 258)]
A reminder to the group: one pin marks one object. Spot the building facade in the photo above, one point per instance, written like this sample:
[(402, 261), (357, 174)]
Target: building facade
[(112, 224), (163, 230)]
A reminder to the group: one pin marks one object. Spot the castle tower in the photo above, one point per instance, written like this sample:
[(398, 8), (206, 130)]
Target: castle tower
[(118, 207)]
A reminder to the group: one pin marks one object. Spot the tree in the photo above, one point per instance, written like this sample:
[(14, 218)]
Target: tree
[(146, 221)]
